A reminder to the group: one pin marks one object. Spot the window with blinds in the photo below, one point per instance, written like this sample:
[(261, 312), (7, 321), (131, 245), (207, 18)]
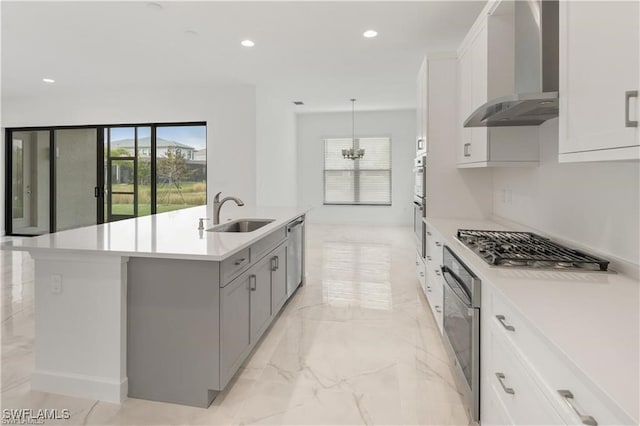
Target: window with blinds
[(366, 181)]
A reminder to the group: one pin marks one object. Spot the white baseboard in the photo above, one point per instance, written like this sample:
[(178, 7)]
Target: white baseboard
[(81, 386)]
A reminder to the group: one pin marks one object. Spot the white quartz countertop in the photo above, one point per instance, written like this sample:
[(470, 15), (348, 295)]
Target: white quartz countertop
[(172, 235), (592, 319)]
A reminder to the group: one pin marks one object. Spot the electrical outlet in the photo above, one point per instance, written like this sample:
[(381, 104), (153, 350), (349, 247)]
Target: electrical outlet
[(56, 284)]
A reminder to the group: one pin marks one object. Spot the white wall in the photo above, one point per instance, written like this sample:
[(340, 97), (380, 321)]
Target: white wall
[(312, 129), (593, 204), (229, 112), (275, 150)]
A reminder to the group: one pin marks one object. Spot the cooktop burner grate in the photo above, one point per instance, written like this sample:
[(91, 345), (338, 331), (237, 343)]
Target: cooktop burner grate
[(526, 249)]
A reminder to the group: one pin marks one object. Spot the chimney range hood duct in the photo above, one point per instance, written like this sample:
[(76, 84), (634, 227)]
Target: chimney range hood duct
[(536, 71)]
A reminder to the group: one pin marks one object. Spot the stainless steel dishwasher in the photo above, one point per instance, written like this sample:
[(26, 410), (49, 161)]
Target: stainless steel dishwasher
[(295, 248)]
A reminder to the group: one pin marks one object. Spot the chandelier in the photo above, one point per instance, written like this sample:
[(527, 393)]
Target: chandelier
[(353, 153)]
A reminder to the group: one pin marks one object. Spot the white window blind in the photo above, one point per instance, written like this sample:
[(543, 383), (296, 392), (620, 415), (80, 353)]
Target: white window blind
[(365, 181)]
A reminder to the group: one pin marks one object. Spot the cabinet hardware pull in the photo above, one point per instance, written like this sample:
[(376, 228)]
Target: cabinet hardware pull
[(437, 308), (429, 289), (428, 233), (627, 120), (274, 265), (239, 261), (428, 257), (422, 274), (501, 377), (437, 272), (416, 263), (438, 244), (568, 396), (252, 282), (501, 318), (467, 149)]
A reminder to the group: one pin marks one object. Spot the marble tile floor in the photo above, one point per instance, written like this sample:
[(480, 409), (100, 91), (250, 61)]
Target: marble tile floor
[(356, 345)]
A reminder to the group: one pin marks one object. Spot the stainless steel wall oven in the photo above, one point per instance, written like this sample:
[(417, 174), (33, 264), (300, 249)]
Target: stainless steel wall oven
[(461, 325), (419, 203)]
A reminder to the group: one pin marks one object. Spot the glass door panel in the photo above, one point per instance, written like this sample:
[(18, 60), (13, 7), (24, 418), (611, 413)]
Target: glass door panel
[(143, 158), (121, 168), (30, 182), (76, 151), (181, 167)]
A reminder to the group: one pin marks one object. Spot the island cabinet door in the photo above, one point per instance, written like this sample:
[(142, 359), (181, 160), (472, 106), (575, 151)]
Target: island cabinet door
[(260, 303), (278, 278), (234, 326)]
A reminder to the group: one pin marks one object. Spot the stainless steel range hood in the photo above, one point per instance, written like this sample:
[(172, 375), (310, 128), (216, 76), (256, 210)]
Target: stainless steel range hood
[(536, 71)]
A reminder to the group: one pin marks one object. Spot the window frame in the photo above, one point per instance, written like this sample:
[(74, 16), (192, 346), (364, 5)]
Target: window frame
[(356, 177)]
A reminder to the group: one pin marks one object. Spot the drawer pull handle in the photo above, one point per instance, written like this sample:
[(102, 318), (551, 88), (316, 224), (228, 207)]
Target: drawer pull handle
[(428, 257), (429, 289), (501, 377), (437, 272), (501, 318), (438, 308), (416, 263), (568, 396), (438, 243), (252, 283), (467, 150), (274, 263), (628, 122), (239, 261), (428, 233)]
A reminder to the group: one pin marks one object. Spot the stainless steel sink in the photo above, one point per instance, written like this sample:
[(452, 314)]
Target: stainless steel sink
[(241, 225)]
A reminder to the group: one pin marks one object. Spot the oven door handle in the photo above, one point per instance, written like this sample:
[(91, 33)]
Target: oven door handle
[(456, 289)]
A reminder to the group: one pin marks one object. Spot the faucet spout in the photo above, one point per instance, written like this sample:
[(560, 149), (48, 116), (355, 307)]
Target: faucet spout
[(217, 205)]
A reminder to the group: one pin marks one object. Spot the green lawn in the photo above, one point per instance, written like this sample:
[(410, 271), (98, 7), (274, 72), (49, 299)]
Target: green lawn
[(168, 198)]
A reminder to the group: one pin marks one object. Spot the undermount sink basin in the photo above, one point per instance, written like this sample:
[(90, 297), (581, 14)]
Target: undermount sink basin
[(241, 225)]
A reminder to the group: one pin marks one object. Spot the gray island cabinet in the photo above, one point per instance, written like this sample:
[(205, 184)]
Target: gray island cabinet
[(192, 323), (155, 308)]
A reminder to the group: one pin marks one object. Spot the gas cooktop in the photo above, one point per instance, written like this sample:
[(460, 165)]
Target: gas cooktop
[(527, 250)]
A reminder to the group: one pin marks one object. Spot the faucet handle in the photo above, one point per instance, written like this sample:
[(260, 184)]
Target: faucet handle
[(201, 223)]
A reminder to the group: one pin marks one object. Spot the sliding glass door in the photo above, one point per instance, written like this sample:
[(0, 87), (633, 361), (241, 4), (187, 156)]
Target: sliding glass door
[(60, 178), (76, 179), (30, 177)]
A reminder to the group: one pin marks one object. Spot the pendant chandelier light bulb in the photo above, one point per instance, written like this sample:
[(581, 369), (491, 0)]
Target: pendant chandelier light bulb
[(354, 152)]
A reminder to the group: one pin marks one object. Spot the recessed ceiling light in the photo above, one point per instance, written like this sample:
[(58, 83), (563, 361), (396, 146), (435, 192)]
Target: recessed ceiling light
[(298, 103), (191, 32), (48, 80), (247, 43), (370, 33)]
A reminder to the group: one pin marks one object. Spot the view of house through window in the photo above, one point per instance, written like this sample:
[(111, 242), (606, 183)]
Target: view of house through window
[(137, 179), (365, 181)]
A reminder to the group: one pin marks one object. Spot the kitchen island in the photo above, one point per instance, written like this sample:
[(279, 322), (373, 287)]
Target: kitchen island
[(152, 307)]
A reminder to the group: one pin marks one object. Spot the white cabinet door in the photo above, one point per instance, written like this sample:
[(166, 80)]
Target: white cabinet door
[(599, 63), (465, 76)]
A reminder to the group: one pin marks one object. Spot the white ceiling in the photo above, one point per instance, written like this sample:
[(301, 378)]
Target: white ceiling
[(311, 51)]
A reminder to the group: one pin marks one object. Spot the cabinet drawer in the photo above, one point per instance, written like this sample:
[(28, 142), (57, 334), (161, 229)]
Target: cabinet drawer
[(553, 372), (262, 247), (420, 271), (434, 245), (523, 400), (233, 266), (435, 296)]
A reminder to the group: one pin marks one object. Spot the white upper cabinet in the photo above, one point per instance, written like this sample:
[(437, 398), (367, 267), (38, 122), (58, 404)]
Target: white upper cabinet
[(599, 71), (486, 71), (421, 110)]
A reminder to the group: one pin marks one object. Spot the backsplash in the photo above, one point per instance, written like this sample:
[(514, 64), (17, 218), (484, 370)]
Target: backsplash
[(596, 205)]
